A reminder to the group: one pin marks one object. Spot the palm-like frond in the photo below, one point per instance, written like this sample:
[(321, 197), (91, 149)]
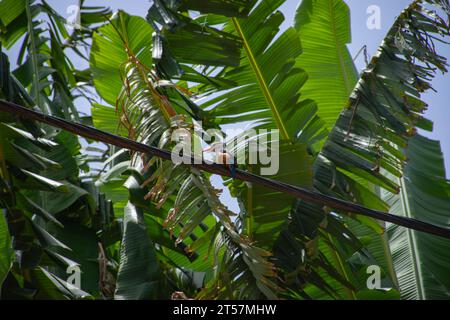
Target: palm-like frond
[(150, 118), (265, 91), (366, 136), (420, 260), (385, 106), (45, 203), (41, 196), (384, 109), (324, 29)]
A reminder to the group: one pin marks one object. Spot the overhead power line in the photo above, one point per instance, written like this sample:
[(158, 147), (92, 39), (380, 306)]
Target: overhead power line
[(300, 193)]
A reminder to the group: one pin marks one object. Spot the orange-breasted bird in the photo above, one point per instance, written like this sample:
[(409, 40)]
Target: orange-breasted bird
[(222, 156)]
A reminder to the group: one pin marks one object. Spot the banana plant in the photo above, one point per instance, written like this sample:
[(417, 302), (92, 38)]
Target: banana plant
[(335, 14), (357, 151), (148, 117), (154, 229), (46, 209)]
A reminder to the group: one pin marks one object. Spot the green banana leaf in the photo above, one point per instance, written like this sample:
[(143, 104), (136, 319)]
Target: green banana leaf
[(109, 52), (324, 29), (139, 275), (421, 260)]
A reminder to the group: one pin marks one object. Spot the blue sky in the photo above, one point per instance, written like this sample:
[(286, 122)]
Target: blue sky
[(439, 111)]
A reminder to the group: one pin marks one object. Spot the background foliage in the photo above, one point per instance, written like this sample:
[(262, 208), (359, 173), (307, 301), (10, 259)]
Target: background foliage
[(143, 228)]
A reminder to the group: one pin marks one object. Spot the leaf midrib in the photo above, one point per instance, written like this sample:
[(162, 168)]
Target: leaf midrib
[(261, 81)]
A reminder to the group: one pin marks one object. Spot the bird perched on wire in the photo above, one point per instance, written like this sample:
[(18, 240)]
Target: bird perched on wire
[(222, 156)]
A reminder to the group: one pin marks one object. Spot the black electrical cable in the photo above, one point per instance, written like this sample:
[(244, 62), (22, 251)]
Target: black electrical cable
[(300, 193)]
